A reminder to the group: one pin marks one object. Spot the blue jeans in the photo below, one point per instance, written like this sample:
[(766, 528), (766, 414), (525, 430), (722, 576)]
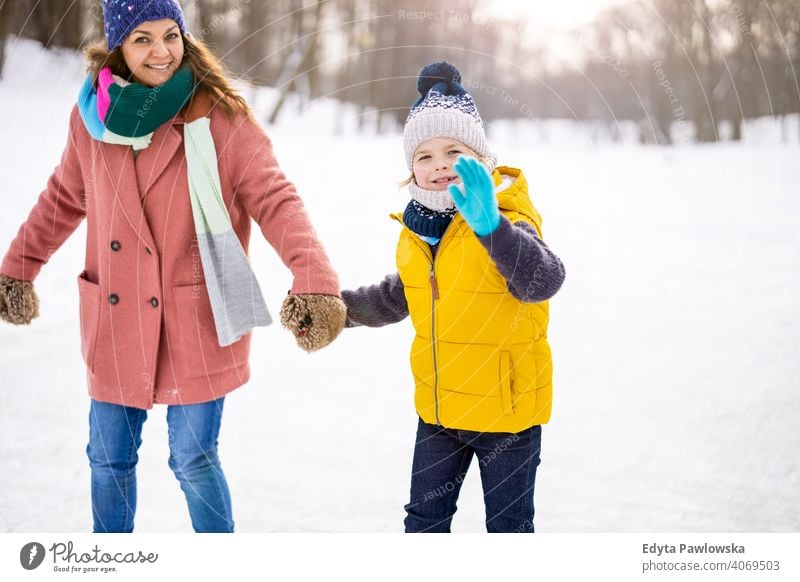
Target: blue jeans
[(508, 463), (114, 439)]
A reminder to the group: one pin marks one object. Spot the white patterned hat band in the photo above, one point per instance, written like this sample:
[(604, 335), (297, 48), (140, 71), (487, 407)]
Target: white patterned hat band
[(444, 109)]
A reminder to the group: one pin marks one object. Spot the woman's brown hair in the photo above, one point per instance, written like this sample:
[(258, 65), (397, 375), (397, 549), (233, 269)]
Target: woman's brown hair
[(208, 71)]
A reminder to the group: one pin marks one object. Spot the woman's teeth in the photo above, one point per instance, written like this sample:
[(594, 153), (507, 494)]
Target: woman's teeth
[(158, 67)]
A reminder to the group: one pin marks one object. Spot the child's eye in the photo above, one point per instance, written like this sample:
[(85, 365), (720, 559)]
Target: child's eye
[(454, 152), (419, 159)]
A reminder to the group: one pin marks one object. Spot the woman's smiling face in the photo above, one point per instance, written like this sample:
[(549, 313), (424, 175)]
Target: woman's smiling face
[(153, 51)]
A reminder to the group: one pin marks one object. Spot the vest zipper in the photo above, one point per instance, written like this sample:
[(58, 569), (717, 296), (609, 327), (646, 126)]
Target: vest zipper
[(434, 288), (434, 296)]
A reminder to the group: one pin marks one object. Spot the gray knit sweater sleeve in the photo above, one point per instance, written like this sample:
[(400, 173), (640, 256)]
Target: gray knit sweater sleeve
[(534, 273), (376, 305)]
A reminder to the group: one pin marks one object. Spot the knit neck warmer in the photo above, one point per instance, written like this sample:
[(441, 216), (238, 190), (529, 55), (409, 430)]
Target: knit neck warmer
[(428, 224), (440, 200), (127, 114)]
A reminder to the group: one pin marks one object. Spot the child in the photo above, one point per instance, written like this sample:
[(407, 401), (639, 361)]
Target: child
[(475, 277)]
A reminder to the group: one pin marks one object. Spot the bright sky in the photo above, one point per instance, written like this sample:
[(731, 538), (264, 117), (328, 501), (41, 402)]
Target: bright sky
[(559, 14)]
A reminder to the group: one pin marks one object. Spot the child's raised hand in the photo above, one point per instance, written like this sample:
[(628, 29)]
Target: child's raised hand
[(477, 203)]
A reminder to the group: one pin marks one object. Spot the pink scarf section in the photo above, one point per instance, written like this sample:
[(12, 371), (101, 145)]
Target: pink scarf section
[(104, 80)]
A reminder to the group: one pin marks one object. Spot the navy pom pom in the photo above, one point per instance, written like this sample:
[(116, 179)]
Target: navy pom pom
[(436, 74)]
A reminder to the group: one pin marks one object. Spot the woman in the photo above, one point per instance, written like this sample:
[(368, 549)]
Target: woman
[(167, 165)]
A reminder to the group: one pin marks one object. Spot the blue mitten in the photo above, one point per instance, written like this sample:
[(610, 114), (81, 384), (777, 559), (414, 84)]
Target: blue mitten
[(477, 203)]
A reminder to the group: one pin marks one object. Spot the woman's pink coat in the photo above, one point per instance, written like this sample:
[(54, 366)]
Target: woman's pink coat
[(147, 333)]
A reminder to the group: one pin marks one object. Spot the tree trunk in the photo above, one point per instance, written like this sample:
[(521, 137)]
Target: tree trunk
[(69, 26), (55, 23), (298, 63), (704, 105), (6, 18)]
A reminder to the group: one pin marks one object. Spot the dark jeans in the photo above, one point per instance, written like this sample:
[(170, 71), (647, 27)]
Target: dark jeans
[(114, 439), (508, 464)]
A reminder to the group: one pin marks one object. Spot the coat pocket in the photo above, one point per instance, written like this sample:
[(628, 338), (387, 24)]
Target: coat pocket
[(89, 296), (197, 343)]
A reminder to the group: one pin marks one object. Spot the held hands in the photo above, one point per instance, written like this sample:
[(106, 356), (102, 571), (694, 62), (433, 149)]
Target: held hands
[(477, 202), (315, 320), (18, 301)]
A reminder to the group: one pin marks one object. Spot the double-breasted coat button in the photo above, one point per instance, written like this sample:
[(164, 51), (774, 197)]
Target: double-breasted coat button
[(154, 302), (113, 299), (115, 245)]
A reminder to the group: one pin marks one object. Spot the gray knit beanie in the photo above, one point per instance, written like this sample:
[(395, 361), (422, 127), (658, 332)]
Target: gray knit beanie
[(445, 109)]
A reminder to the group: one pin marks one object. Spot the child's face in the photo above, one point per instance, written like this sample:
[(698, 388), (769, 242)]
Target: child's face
[(433, 162)]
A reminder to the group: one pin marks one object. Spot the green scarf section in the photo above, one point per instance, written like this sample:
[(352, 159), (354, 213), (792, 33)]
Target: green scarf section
[(137, 110)]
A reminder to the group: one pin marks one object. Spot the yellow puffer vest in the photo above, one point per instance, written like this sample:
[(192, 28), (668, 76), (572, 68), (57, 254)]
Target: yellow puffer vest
[(480, 357)]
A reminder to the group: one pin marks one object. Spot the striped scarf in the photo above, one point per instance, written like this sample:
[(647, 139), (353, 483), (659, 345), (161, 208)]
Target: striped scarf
[(127, 114)]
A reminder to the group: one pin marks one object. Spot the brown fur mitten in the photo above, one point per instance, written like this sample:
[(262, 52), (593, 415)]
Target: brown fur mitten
[(18, 301), (315, 320)]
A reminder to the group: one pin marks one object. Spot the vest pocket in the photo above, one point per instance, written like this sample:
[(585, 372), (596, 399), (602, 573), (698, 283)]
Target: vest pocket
[(468, 369), (505, 383), (89, 297), (480, 370)]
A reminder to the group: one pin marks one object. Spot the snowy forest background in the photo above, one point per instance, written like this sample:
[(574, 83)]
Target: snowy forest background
[(661, 142), (702, 65)]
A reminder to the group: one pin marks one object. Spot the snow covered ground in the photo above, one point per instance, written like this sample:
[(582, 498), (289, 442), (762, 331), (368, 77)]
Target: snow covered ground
[(677, 403)]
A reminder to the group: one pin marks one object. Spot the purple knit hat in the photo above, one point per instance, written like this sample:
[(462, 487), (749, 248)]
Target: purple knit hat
[(120, 17)]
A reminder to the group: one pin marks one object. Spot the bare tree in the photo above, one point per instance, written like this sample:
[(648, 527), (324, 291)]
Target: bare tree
[(55, 23), (739, 86), (253, 44), (656, 62), (300, 62), (7, 10), (211, 17), (780, 36)]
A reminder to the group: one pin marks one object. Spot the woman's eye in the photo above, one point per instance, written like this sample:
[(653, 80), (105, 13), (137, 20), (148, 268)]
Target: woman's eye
[(141, 38), (172, 36)]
